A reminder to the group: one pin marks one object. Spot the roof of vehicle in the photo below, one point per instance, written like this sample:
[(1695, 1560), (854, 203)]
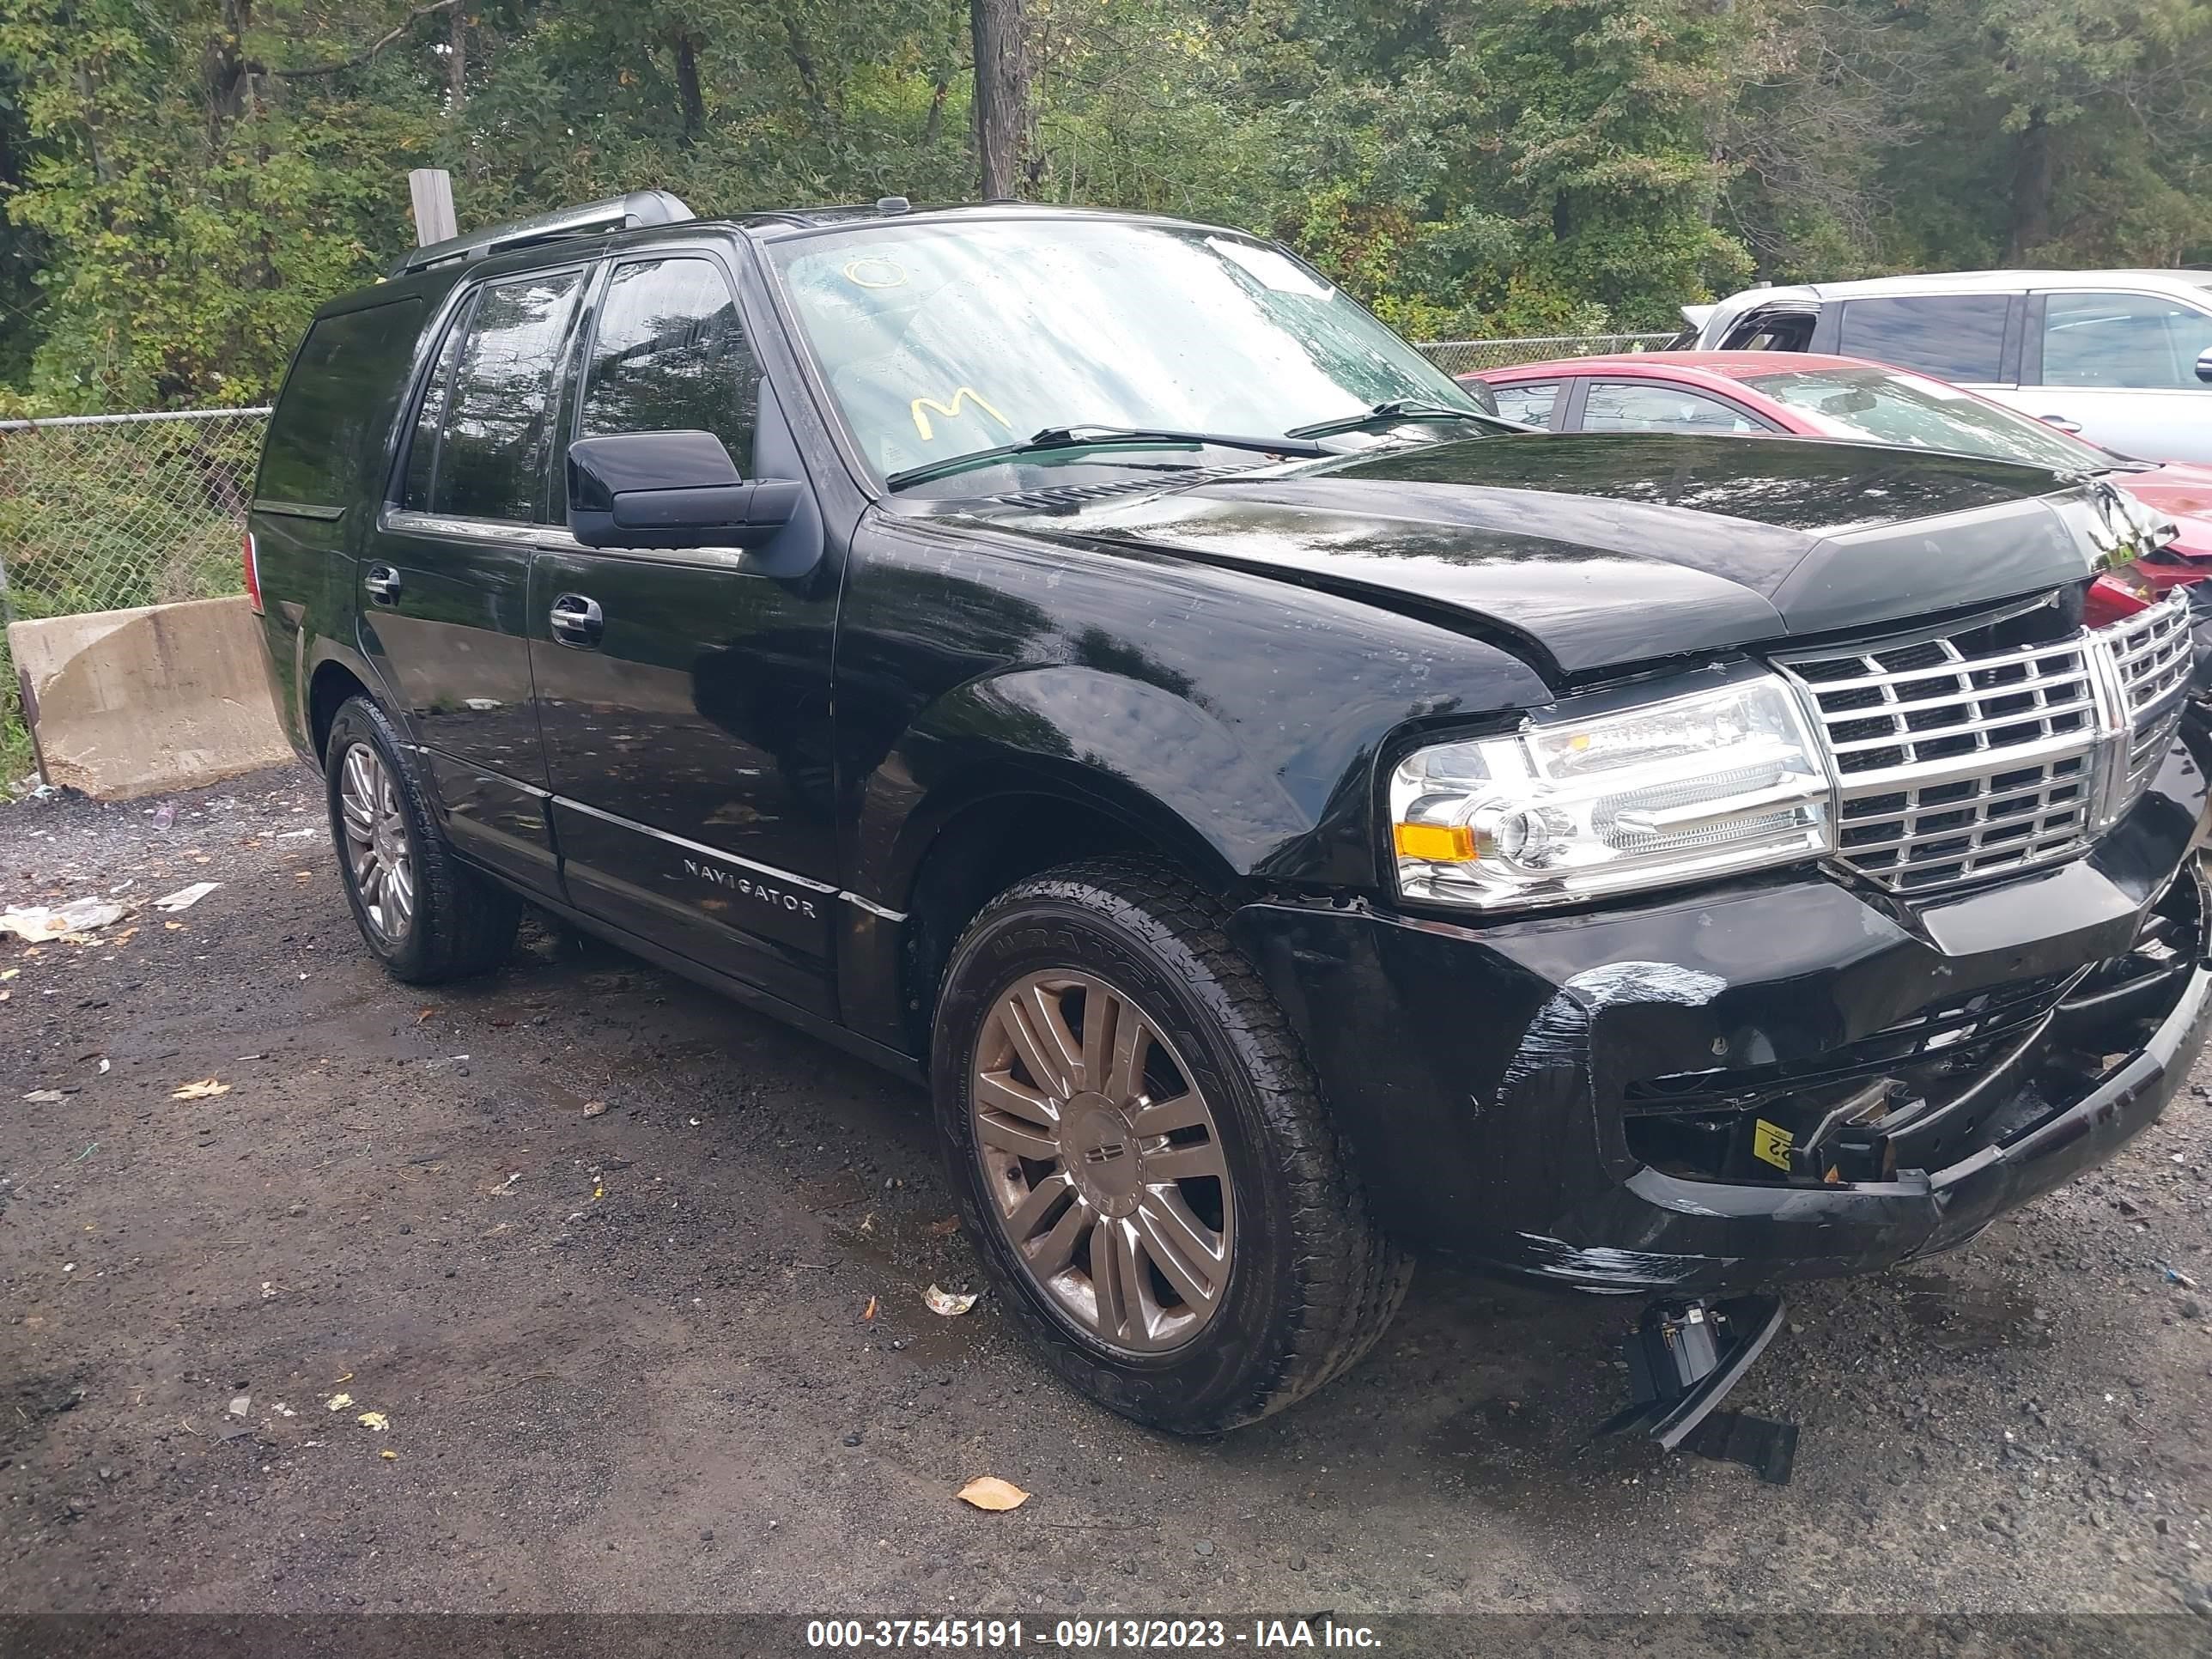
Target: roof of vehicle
[(1676, 365), (1966, 282), (645, 217)]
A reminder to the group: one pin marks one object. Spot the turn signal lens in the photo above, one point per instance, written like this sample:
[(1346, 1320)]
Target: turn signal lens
[(251, 558), (1437, 843)]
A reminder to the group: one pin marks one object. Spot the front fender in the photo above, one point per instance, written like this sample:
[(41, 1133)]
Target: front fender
[(1144, 753)]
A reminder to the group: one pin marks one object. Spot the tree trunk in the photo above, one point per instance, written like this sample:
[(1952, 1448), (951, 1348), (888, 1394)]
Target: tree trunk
[(2034, 175), (935, 123), (687, 86), (456, 65), (224, 68), (810, 80), (1003, 120)]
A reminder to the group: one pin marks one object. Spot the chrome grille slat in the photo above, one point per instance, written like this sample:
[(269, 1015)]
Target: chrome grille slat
[(1956, 767)]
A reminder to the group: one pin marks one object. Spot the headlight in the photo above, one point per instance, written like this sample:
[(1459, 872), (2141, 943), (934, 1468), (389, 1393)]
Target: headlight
[(1677, 789)]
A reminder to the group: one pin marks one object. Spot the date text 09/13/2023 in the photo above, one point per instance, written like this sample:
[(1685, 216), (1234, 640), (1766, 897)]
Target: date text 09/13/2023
[(1090, 1635)]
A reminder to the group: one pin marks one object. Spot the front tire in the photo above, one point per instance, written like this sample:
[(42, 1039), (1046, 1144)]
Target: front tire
[(427, 915), (1143, 1157)]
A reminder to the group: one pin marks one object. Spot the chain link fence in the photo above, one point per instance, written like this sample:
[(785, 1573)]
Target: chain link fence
[(99, 511), (1465, 356)]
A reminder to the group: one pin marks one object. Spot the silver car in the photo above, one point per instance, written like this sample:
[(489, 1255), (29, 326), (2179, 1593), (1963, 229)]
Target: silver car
[(2122, 357)]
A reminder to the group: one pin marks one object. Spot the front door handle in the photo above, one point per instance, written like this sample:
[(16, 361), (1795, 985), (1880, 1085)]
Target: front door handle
[(577, 620), (2071, 428), (382, 582)]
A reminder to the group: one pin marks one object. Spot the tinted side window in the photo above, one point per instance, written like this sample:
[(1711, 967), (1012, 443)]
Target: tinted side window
[(422, 446), (491, 459), (670, 356), (2122, 340), (1955, 336), (1533, 402), (331, 415), (1649, 406)]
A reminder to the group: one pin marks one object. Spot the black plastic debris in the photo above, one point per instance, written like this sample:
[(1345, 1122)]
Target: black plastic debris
[(1682, 1360)]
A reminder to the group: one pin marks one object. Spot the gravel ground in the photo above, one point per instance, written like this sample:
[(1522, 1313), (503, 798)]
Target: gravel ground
[(635, 1279)]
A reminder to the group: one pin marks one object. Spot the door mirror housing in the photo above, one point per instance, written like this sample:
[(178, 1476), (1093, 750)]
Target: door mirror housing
[(2204, 367), (652, 489)]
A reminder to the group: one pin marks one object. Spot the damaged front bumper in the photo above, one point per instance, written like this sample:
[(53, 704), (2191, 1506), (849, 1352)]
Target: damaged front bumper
[(1786, 1079)]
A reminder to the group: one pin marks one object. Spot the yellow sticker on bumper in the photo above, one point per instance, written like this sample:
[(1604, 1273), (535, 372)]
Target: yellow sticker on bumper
[(1770, 1143)]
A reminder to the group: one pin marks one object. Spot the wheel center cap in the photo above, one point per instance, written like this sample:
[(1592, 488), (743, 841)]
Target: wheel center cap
[(1102, 1154)]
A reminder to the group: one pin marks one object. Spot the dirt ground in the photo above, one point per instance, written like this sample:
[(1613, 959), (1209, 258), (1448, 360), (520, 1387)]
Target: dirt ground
[(625, 1357)]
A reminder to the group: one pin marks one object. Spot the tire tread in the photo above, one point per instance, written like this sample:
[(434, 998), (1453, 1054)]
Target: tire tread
[(1351, 1276), (465, 922)]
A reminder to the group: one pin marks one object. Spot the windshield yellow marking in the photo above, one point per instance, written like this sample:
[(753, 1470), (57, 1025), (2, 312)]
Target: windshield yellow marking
[(963, 395), (879, 272)]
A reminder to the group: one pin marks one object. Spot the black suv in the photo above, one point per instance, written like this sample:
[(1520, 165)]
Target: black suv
[(1286, 814)]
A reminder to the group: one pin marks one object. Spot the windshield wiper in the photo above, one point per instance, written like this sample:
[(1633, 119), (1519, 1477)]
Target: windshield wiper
[(1397, 409), (1082, 436)]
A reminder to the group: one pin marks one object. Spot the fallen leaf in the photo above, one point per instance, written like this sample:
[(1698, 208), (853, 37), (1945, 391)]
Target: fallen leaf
[(374, 1422), (388, 1454), (4, 995), (593, 1108), (337, 1402), (206, 1089), (9, 973), (175, 926), (947, 1302), (421, 1014), (987, 1491), (869, 1312), (946, 1228)]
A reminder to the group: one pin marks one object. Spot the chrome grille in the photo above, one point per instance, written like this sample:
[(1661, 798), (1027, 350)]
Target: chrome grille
[(1955, 766), (2152, 650)]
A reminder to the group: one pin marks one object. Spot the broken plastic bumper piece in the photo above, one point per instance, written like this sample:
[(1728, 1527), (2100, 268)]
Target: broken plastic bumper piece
[(1683, 1358)]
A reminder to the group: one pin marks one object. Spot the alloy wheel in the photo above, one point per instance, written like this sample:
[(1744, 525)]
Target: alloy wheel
[(376, 851), (1104, 1160)]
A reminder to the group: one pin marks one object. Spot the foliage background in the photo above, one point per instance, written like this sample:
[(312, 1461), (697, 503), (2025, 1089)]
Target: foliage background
[(184, 180)]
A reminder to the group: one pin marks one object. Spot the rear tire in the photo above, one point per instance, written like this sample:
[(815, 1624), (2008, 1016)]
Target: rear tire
[(1142, 1155), (428, 916)]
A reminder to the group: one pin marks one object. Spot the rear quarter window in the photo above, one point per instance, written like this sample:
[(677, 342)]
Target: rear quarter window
[(1954, 336), (326, 433)]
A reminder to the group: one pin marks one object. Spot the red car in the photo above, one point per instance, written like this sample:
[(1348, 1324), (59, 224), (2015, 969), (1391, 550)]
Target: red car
[(1822, 397)]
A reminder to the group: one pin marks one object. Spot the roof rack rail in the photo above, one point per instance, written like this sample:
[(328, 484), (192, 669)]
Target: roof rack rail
[(631, 212)]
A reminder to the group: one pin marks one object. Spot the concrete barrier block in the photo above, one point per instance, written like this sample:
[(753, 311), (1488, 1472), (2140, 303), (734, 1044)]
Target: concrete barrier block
[(124, 703)]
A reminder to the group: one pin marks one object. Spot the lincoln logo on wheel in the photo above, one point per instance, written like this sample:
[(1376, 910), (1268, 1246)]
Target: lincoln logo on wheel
[(1105, 1154)]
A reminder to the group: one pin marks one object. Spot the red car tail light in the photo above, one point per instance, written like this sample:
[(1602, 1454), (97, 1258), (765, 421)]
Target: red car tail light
[(251, 558)]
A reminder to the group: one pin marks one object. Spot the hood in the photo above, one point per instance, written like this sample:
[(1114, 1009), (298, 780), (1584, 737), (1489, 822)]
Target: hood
[(2183, 491), (1603, 550)]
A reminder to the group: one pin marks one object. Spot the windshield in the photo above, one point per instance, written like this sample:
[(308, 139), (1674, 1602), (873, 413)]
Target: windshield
[(1910, 410), (938, 341)]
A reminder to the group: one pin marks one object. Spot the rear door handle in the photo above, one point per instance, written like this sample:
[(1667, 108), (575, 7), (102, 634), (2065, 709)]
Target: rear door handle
[(382, 582), (577, 620)]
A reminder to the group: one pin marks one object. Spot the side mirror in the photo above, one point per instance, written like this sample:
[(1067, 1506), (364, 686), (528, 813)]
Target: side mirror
[(670, 489), (2204, 367), (1480, 390)]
